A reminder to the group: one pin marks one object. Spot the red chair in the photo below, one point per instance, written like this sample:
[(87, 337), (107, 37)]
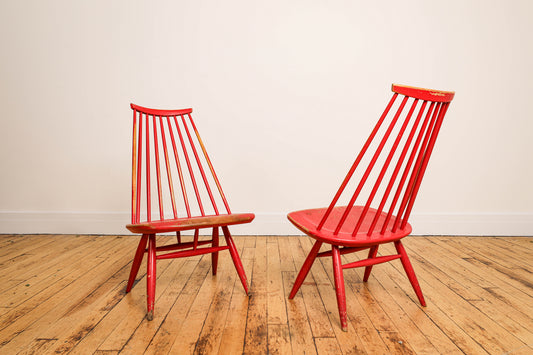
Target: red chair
[(166, 145), (386, 177)]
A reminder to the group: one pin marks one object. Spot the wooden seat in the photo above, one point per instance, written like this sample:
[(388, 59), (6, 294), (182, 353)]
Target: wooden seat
[(175, 189), (308, 220), (182, 224), (374, 202)]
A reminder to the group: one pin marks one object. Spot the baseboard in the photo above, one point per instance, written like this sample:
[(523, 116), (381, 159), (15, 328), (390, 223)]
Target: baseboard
[(488, 224), (264, 224)]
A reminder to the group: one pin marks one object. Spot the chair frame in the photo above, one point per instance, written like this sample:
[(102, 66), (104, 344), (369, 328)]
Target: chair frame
[(179, 124), (354, 228)]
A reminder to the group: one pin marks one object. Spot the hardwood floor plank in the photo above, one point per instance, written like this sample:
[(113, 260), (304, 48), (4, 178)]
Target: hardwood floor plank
[(525, 243), (396, 344), (524, 350), (83, 321), (191, 326), (300, 332), (448, 328), (319, 320), (131, 321), (515, 266), (92, 339), (495, 308), (285, 255), (31, 265), (474, 322), (518, 254), (40, 318), (277, 311), (256, 341), (41, 276), (9, 239), (169, 286), (234, 332), (375, 322), (13, 299), (490, 280), (327, 346), (478, 290), (40, 346), (195, 273), (13, 245), (408, 334), (279, 341), (457, 276), (416, 313), (210, 337), (348, 342)]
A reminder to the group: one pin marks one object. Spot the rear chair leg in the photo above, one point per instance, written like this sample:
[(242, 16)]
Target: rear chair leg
[(139, 254), (235, 257), (305, 269), (409, 271)]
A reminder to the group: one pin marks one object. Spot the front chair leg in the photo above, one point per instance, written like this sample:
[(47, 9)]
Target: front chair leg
[(151, 277), (339, 286), (235, 257), (409, 271), (305, 269), (139, 254)]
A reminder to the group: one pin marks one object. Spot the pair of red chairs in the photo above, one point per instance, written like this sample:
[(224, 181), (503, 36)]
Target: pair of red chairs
[(172, 172)]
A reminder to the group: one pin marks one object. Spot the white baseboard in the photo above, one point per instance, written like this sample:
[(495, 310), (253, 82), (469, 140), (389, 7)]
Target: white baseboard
[(264, 224)]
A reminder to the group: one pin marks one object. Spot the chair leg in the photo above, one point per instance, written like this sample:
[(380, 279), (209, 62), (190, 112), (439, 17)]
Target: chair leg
[(409, 271), (139, 254), (371, 255), (235, 257), (151, 277), (339, 287), (305, 269), (214, 256)]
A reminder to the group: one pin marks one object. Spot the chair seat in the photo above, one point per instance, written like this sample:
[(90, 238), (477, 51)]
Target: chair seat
[(180, 224), (308, 220)]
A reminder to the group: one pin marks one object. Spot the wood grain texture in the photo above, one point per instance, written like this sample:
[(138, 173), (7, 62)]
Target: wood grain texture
[(66, 294)]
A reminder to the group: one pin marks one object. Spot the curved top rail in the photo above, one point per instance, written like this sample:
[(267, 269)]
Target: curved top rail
[(157, 112), (424, 94)]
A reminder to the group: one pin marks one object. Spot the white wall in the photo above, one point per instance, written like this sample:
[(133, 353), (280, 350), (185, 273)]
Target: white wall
[(283, 93)]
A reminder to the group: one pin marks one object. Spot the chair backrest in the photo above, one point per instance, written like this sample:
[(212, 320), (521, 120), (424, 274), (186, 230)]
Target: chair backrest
[(392, 162), (168, 149)]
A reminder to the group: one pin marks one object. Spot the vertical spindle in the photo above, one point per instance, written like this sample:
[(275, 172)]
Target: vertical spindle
[(394, 175), (134, 171), (189, 166), (385, 165), (157, 168), (198, 162), (148, 187), (357, 161), (427, 155), (416, 169), (168, 168), (219, 187), (178, 165)]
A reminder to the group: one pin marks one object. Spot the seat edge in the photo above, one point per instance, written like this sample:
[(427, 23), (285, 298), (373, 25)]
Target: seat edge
[(181, 224)]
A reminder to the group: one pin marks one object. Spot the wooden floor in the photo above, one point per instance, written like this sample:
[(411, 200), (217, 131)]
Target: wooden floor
[(65, 294)]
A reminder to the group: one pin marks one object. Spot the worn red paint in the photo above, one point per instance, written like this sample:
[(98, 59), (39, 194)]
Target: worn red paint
[(396, 156), (166, 143)]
